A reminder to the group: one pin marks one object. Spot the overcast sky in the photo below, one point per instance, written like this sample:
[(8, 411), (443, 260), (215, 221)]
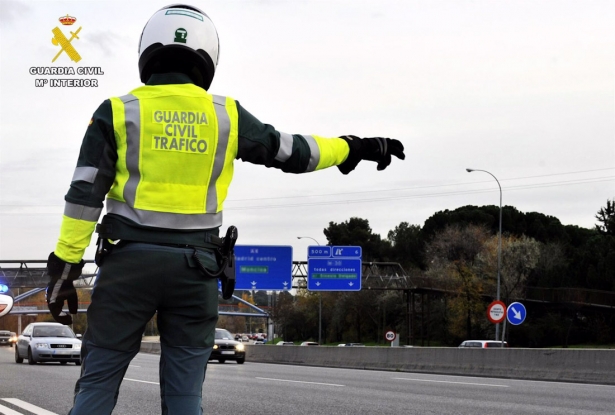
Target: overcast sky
[(522, 89)]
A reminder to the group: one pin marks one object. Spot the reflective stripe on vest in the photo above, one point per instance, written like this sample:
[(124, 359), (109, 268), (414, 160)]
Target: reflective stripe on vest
[(146, 190)]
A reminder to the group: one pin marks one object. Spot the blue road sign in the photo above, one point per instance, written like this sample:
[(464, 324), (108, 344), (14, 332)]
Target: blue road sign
[(334, 268), (319, 252), (266, 267), (515, 313)]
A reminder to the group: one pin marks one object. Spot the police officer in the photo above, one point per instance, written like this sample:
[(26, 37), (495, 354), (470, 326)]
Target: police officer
[(162, 156)]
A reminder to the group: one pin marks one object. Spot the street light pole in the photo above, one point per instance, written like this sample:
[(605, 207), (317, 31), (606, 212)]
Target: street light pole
[(497, 326), (319, 297), (308, 237)]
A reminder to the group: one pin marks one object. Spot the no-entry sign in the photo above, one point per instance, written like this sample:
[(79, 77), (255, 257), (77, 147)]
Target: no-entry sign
[(496, 312)]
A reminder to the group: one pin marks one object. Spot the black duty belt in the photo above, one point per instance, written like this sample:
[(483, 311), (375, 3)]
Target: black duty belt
[(223, 248)]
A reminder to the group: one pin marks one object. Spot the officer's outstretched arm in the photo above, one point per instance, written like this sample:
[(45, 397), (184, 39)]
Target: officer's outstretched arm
[(260, 143), (376, 149)]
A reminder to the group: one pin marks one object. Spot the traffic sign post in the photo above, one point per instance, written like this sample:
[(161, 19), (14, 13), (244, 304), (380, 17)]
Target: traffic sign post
[(334, 268), (516, 313), (6, 302), (496, 312), (265, 267), (391, 336)]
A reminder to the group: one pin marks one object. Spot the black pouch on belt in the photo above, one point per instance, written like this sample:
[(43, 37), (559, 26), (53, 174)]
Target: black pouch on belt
[(225, 257), (103, 248)]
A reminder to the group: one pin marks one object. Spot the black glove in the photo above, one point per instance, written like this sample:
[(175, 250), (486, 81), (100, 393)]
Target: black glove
[(374, 149), (60, 288)]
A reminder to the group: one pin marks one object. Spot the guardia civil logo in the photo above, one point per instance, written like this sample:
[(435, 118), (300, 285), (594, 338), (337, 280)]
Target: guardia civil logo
[(59, 39), (65, 57)]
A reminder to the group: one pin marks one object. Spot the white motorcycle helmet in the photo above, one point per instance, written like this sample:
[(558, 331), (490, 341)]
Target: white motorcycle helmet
[(179, 38)]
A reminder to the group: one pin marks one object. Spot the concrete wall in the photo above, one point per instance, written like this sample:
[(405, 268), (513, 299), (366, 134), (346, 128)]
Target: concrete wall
[(566, 365)]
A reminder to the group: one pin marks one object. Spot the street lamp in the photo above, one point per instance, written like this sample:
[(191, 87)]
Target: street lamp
[(497, 326), (308, 237), (319, 296)]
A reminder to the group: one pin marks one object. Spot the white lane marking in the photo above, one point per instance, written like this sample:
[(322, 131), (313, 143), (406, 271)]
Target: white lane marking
[(7, 411), (458, 383), (142, 381), (300, 381), (28, 407)]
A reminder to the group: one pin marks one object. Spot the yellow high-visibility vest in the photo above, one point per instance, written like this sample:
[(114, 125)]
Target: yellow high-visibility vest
[(176, 145)]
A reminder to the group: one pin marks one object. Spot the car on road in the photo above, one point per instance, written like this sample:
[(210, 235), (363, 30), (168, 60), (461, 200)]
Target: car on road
[(48, 342), (226, 348), (13, 338), (351, 345), (309, 344), (283, 343), (5, 338), (482, 344)]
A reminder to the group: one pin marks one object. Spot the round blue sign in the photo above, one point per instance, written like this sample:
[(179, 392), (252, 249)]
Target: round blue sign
[(516, 313)]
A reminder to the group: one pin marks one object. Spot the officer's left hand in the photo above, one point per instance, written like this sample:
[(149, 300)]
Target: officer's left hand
[(61, 288), (376, 149)]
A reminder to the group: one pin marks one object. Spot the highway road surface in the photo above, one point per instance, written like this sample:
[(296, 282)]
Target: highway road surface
[(255, 388)]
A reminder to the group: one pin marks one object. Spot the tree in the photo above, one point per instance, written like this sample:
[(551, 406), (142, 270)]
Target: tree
[(520, 257), (407, 246), (606, 217), (456, 244), (452, 256), (551, 267), (357, 232), (284, 315)]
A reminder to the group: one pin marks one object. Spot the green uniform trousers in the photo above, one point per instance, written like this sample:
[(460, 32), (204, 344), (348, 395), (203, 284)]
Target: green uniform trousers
[(136, 281)]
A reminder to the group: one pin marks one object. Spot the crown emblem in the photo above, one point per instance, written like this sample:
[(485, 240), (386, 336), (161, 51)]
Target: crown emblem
[(67, 20)]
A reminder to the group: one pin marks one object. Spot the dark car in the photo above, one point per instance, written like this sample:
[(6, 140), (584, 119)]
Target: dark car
[(5, 338), (226, 348), (48, 342)]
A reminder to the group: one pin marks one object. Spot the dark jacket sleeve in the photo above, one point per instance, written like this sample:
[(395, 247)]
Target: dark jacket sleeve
[(92, 179), (260, 143)]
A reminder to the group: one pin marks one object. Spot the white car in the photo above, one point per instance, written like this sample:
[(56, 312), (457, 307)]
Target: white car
[(482, 344), (48, 342)]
